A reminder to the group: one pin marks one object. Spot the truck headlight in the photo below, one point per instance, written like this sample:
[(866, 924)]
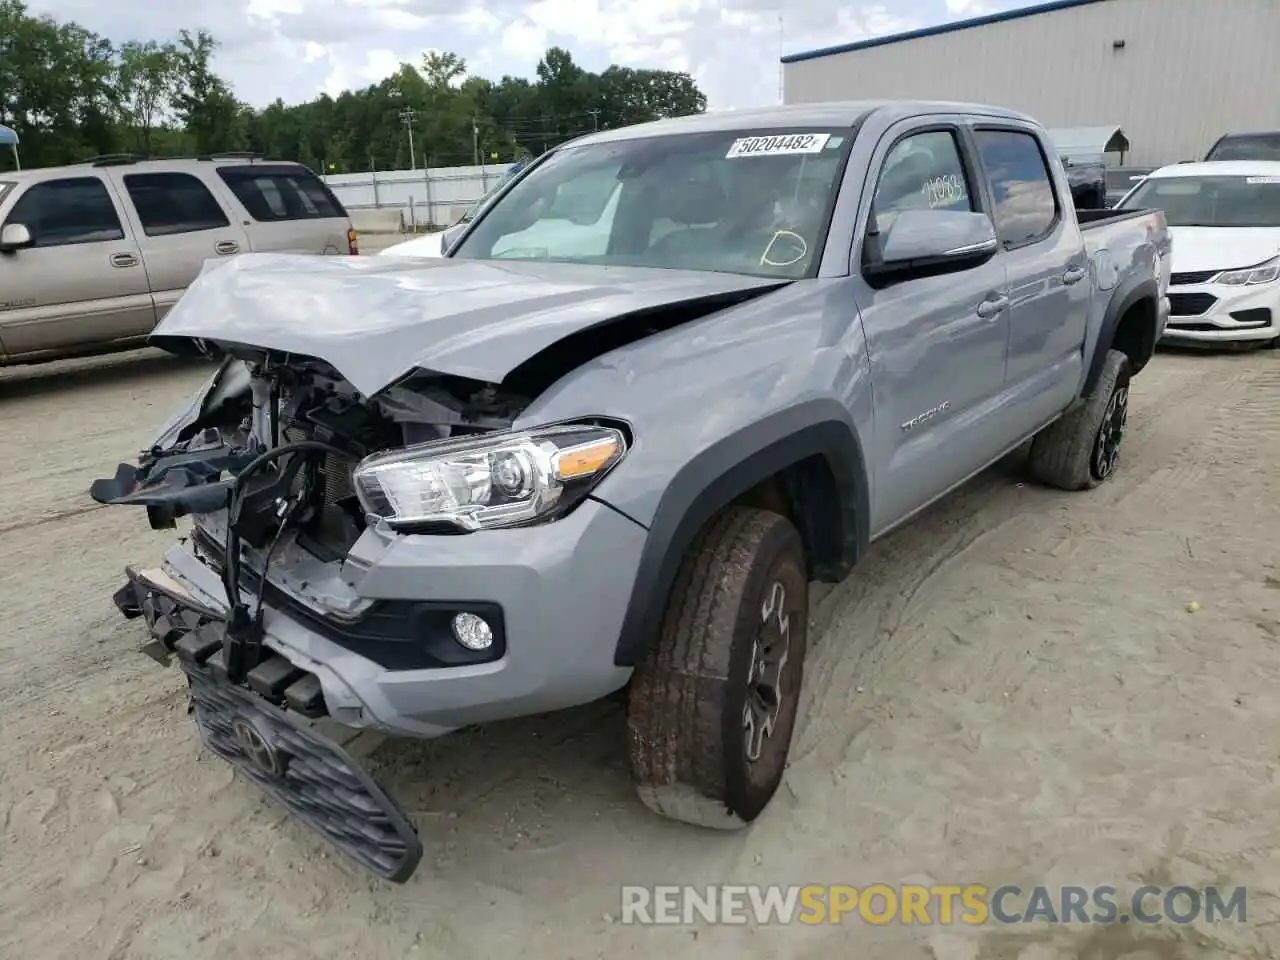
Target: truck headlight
[(1249, 276), (493, 480)]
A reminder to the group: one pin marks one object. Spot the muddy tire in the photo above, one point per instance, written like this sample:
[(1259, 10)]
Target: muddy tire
[(1082, 449), (712, 707)]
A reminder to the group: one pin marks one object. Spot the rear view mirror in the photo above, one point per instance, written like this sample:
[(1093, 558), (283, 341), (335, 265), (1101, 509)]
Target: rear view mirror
[(927, 242), (14, 237)]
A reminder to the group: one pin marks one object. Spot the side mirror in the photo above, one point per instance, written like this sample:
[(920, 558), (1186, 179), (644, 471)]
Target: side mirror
[(14, 237), (920, 243), (450, 236)]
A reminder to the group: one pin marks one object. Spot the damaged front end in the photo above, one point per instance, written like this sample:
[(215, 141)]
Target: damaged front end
[(263, 463), (361, 404)]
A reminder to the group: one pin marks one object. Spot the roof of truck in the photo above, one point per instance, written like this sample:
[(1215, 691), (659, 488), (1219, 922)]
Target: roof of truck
[(845, 113)]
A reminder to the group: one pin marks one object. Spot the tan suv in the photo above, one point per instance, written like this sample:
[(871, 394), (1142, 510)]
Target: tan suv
[(93, 255)]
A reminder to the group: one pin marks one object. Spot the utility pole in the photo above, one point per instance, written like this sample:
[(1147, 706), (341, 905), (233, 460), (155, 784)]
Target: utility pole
[(475, 141), (595, 119), (781, 96), (406, 117)]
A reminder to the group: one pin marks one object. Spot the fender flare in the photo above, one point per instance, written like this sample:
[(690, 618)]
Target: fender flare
[(1132, 291), (725, 471)]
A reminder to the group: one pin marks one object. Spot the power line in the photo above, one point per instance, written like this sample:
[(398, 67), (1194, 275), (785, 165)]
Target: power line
[(781, 75)]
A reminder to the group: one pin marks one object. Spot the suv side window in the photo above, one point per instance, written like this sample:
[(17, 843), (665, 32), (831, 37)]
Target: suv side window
[(170, 203), (272, 195), (1026, 204), (923, 171), (69, 211)]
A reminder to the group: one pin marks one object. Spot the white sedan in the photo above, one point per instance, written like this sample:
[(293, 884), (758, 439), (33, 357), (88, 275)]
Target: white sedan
[(1224, 218), (427, 245)]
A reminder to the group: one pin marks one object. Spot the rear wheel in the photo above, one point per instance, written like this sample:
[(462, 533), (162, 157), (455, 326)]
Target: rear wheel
[(712, 708), (1082, 449)]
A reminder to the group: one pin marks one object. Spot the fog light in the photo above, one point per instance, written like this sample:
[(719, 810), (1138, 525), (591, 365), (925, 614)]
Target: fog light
[(472, 631)]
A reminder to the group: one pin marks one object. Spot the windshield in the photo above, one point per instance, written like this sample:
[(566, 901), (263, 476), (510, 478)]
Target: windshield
[(1211, 201), (753, 202), (1250, 146)]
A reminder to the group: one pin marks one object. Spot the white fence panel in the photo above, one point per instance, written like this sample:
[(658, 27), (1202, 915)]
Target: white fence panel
[(434, 197)]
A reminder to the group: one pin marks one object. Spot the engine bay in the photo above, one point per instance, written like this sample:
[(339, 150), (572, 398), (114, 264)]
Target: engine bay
[(315, 428)]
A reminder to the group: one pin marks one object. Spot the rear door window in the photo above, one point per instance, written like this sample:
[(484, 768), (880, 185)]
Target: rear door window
[(1026, 206), (274, 194), (172, 203), (68, 211)]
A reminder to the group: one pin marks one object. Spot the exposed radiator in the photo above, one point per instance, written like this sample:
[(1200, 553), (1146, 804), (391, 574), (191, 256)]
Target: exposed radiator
[(335, 471)]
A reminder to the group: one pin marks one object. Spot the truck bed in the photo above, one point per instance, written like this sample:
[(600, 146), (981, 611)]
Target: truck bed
[(1089, 219)]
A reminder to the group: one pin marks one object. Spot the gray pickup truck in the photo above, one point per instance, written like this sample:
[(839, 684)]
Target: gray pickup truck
[(428, 494)]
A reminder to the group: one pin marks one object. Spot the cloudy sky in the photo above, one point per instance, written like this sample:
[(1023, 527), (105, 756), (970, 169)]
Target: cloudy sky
[(297, 48)]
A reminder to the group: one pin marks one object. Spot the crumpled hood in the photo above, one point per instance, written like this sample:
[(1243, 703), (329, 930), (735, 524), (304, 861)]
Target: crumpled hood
[(1196, 249), (374, 319)]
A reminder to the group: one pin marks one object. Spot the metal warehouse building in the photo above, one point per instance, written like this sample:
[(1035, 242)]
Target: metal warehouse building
[(1172, 74)]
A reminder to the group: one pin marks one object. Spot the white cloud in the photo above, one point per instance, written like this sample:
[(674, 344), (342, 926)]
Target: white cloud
[(295, 49), (524, 43), (378, 65)]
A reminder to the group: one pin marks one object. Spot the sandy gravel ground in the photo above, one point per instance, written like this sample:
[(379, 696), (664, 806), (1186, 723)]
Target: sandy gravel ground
[(1011, 690)]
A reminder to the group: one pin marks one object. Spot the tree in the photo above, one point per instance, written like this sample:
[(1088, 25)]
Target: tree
[(71, 93), (203, 101), (146, 82), (443, 70)]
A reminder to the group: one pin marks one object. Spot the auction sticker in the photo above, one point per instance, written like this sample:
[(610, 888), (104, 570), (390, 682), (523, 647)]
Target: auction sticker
[(1262, 179), (786, 143)]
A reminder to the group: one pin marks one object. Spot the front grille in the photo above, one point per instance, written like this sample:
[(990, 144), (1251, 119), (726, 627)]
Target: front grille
[(249, 727), (308, 774), (1191, 304), (1189, 279)]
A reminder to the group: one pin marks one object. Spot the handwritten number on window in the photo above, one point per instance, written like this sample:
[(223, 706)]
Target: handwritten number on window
[(944, 191)]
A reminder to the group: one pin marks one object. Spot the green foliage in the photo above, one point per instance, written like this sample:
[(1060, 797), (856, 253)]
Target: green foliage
[(71, 94)]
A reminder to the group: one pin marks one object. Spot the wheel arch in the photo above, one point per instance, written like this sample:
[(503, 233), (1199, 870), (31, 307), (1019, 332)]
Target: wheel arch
[(1129, 325), (806, 462)]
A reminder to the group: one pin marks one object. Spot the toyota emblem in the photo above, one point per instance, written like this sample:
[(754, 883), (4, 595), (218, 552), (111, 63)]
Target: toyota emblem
[(257, 747)]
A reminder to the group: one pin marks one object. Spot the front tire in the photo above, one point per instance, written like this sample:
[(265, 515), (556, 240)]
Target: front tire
[(712, 708), (1082, 449)]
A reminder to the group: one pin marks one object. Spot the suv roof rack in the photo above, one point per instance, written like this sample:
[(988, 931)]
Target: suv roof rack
[(113, 159), (233, 155), (123, 159)]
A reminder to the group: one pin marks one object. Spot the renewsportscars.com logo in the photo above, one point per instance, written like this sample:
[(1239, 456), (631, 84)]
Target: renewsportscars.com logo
[(940, 904)]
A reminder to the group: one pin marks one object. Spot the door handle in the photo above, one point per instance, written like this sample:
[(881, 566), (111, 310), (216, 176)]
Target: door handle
[(1074, 275), (226, 247), (123, 260), (988, 309)]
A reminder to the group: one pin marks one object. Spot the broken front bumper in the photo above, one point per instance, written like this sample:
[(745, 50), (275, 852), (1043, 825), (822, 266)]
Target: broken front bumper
[(263, 729)]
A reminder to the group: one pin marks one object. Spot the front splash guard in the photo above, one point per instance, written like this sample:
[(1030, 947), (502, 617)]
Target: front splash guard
[(262, 731)]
